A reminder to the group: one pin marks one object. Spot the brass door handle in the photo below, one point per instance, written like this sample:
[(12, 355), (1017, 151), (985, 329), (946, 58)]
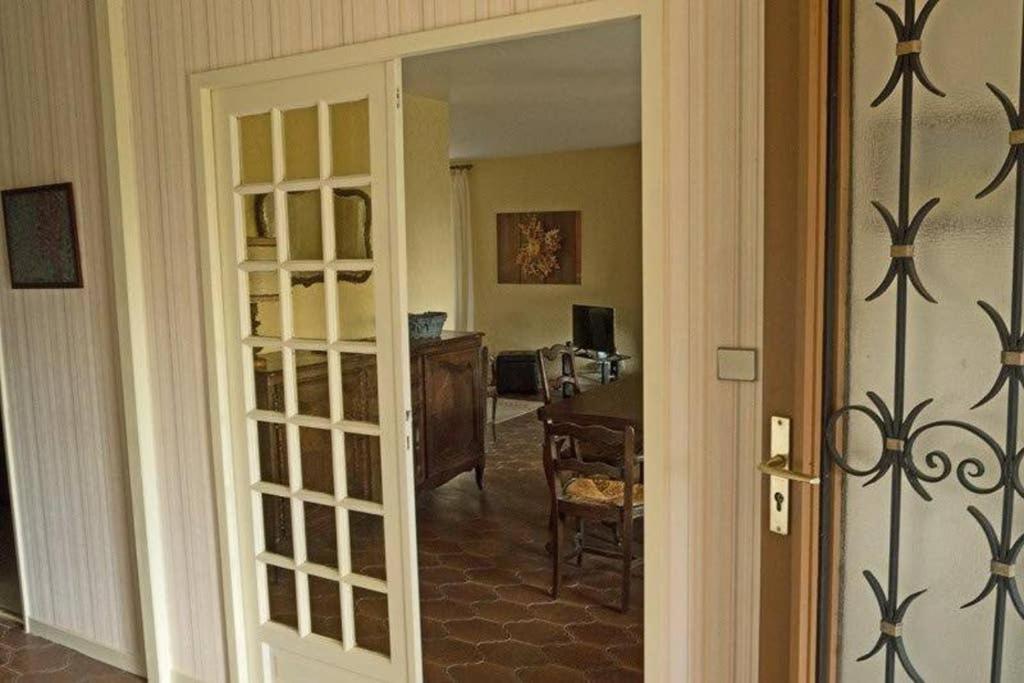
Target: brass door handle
[(778, 466), (777, 469)]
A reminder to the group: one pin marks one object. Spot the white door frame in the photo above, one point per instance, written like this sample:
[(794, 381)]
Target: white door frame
[(203, 85), (676, 307)]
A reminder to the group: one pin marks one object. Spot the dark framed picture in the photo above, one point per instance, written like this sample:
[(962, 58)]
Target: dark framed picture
[(540, 248), (42, 237)]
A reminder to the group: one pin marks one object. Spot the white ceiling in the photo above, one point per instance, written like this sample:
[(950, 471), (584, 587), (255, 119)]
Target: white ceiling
[(572, 90)]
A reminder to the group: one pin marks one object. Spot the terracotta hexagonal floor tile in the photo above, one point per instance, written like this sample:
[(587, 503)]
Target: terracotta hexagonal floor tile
[(439, 545), (430, 591), (428, 560), (600, 634), (442, 574), (631, 656), (467, 561), (476, 630), (484, 671), (578, 656), (537, 632), (600, 579), (551, 673), (483, 546), (513, 654), (448, 651), (523, 595), (587, 596), (432, 628), (540, 578), (616, 676), (561, 613), (469, 592), (446, 610), (502, 610), (16, 639), (434, 672), (35, 660), (494, 576), (611, 615)]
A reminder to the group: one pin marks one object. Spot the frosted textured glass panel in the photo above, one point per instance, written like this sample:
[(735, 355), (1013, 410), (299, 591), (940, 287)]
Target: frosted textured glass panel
[(963, 254)]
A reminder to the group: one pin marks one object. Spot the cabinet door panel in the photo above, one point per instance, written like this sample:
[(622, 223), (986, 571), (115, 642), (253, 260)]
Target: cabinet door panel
[(451, 390)]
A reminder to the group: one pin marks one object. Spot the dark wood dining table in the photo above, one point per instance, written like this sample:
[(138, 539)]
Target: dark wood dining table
[(616, 406)]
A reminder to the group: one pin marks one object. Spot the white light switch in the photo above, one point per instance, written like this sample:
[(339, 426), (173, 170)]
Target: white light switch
[(737, 365)]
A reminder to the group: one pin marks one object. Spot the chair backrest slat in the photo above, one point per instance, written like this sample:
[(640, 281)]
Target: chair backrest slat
[(591, 433), (587, 469)]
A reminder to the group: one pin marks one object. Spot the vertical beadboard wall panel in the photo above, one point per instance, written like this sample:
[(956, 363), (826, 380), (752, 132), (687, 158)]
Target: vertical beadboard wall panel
[(168, 41), (60, 347)]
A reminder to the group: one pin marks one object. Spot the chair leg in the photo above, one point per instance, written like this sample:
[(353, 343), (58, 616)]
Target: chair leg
[(581, 540), (556, 554), (494, 417), (627, 557)]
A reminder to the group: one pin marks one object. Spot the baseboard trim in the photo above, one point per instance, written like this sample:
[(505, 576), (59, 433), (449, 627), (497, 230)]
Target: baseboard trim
[(130, 662), (178, 677)]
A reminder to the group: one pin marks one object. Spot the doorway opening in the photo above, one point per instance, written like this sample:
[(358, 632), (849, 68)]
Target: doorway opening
[(10, 584), (524, 271)]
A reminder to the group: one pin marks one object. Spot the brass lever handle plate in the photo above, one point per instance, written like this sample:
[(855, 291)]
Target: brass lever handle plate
[(777, 467)]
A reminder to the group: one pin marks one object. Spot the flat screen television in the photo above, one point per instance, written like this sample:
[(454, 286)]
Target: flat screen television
[(593, 328)]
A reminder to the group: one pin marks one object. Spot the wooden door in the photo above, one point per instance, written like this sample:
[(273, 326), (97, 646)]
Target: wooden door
[(796, 78), (327, 572), (901, 368)]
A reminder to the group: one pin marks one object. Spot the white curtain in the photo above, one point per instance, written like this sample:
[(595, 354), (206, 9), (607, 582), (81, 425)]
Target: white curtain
[(463, 233)]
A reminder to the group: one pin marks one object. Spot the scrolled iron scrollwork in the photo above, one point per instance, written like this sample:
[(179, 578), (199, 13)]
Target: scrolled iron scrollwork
[(840, 459), (1015, 155), (895, 426), (969, 469), (898, 459), (909, 31), (1016, 479), (1007, 558), (902, 250), (1012, 346), (891, 628), (979, 475)]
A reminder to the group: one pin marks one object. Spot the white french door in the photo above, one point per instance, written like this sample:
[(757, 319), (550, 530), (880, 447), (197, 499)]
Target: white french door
[(308, 190)]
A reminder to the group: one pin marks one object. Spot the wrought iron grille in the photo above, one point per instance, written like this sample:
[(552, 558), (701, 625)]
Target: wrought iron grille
[(896, 424)]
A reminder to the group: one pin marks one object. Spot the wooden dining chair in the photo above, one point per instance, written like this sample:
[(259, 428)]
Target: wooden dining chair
[(492, 389), (558, 371), (596, 491)]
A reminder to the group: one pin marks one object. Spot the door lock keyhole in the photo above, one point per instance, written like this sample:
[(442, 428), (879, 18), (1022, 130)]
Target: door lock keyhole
[(779, 500)]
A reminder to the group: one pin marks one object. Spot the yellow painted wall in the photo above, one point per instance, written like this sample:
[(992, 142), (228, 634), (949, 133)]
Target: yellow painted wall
[(430, 245), (602, 183)]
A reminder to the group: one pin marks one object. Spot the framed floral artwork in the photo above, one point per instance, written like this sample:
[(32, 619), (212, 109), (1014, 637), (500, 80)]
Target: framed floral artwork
[(540, 247), (42, 237)]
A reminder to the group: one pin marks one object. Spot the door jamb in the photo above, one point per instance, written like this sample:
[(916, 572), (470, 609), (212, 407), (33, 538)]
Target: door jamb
[(127, 261), (836, 320)]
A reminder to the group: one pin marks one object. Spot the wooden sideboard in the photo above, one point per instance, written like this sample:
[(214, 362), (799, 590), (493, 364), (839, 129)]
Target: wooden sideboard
[(448, 412), (448, 394)]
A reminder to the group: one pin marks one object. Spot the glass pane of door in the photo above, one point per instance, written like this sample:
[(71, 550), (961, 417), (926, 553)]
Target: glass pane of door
[(925, 484)]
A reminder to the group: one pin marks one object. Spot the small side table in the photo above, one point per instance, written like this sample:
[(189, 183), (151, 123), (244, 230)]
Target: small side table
[(608, 364)]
